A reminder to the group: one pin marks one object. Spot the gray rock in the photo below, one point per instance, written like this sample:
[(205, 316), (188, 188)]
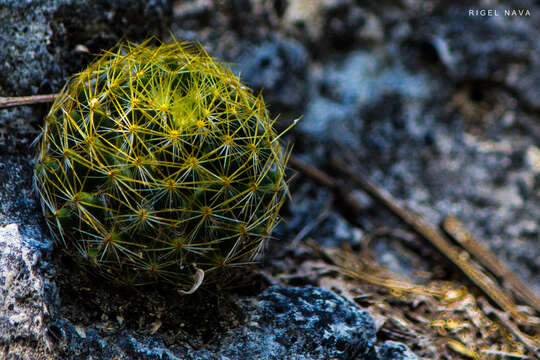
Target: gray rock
[(27, 65), (330, 230), (279, 67), (302, 323), (76, 342), (332, 26), (500, 49), (392, 350), (17, 203), (282, 323), (26, 297), (40, 47)]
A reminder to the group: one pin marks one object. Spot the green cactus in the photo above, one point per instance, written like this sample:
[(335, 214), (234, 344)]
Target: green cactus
[(157, 163)]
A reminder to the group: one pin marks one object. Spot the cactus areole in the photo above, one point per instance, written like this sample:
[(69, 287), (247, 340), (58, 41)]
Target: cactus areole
[(157, 163)]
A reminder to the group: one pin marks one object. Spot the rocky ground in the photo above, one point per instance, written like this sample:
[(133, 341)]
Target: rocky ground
[(439, 108)]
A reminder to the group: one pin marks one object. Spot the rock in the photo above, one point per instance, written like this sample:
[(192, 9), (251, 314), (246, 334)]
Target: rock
[(500, 49), (392, 350), (279, 67), (347, 90), (25, 295), (17, 203), (302, 323), (27, 65), (346, 26), (282, 323), (81, 343), (41, 46), (331, 230), (42, 41)]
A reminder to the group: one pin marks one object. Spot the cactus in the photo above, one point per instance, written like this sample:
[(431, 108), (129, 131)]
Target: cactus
[(157, 163)]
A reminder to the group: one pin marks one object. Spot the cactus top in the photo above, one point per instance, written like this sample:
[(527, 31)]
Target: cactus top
[(156, 163)]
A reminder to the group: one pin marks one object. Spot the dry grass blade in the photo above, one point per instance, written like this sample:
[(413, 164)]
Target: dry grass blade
[(532, 343), (458, 232), (345, 262), (440, 319)]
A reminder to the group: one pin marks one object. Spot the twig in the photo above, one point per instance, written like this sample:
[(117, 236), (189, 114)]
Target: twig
[(310, 226), (314, 173), (457, 231), (384, 231), (435, 238), (326, 180), (26, 100)]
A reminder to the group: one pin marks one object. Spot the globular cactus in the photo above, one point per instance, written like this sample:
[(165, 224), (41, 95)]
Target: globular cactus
[(157, 163)]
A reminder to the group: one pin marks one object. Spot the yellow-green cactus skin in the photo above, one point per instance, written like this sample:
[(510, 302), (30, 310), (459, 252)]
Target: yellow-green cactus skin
[(156, 162)]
